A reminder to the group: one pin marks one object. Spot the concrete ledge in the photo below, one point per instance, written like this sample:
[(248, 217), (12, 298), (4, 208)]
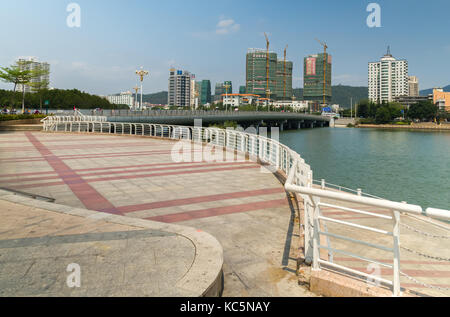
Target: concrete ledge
[(204, 278), (22, 127), (332, 284), (20, 122)]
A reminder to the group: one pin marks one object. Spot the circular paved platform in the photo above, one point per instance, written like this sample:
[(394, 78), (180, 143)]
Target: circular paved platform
[(239, 203)]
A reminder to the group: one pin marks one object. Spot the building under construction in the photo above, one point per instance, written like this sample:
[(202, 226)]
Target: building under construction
[(317, 79), (279, 75), (284, 80)]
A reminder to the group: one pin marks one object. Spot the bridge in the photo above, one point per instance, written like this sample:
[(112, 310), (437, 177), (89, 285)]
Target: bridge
[(283, 120)]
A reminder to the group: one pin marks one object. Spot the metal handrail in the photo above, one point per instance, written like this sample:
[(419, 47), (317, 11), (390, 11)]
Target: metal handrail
[(325, 185), (299, 180)]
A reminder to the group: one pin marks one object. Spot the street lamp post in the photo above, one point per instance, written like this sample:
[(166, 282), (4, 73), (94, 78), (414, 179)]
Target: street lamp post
[(136, 89), (268, 93), (226, 86), (141, 73)]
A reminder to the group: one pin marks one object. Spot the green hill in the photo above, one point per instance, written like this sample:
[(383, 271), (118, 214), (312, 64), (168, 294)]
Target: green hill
[(427, 92), (341, 94), (159, 98)]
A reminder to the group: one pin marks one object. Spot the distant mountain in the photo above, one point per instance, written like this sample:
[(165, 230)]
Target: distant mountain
[(427, 92), (159, 98), (342, 94)]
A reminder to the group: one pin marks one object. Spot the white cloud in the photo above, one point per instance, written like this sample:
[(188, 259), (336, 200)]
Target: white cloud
[(227, 26)]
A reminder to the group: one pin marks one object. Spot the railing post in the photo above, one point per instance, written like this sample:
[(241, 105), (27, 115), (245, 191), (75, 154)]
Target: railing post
[(323, 184), (396, 234), (316, 238), (359, 192)]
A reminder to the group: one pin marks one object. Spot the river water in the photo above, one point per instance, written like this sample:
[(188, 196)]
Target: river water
[(399, 165)]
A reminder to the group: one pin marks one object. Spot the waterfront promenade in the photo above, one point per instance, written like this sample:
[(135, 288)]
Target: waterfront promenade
[(248, 212)]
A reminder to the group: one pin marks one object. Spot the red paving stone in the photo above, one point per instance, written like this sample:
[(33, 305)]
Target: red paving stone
[(76, 178), (85, 193), (218, 211), (200, 199), (31, 179)]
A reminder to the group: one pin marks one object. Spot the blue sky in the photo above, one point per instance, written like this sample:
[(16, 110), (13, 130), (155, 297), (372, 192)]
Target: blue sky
[(210, 38)]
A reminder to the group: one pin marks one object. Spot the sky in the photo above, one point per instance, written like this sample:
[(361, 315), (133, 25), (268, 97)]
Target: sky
[(210, 38)]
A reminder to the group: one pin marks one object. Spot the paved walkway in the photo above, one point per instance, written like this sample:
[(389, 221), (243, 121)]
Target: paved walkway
[(116, 256), (245, 209)]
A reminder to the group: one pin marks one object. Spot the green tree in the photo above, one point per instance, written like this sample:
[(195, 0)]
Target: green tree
[(363, 108), (423, 110), (16, 74), (383, 115), (41, 83)]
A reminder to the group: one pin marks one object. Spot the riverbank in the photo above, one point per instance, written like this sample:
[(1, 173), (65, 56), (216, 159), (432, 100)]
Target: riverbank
[(416, 126)]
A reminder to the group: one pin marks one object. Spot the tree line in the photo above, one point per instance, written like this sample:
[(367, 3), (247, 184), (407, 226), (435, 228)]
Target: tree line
[(22, 74), (388, 112)]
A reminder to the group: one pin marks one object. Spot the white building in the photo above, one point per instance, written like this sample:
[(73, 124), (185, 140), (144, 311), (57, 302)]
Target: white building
[(388, 78), (31, 63), (413, 86), (125, 98), (236, 100), (194, 93), (296, 105), (180, 88)]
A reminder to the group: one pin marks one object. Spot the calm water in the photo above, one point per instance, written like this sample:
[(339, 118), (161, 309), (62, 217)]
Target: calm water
[(397, 165)]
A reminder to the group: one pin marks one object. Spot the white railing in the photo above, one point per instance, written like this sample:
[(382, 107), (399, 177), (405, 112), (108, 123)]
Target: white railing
[(299, 180), (60, 119), (316, 227)]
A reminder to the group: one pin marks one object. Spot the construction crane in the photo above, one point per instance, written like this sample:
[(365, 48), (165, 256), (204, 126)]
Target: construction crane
[(325, 46), (285, 74), (267, 67)]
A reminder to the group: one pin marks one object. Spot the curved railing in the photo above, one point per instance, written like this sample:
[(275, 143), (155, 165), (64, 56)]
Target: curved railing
[(299, 180)]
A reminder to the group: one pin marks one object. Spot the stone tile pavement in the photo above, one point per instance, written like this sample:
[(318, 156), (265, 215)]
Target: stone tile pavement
[(247, 210)]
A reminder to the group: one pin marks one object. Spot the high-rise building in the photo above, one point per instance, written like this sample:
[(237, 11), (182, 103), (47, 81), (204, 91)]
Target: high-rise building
[(242, 90), (218, 92), (32, 64), (284, 80), (179, 88), (388, 79), (315, 75), (228, 87), (205, 95), (256, 72), (413, 86), (193, 93), (125, 98)]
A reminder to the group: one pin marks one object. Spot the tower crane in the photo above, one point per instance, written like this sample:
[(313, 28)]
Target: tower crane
[(267, 67), (325, 46), (285, 74)]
